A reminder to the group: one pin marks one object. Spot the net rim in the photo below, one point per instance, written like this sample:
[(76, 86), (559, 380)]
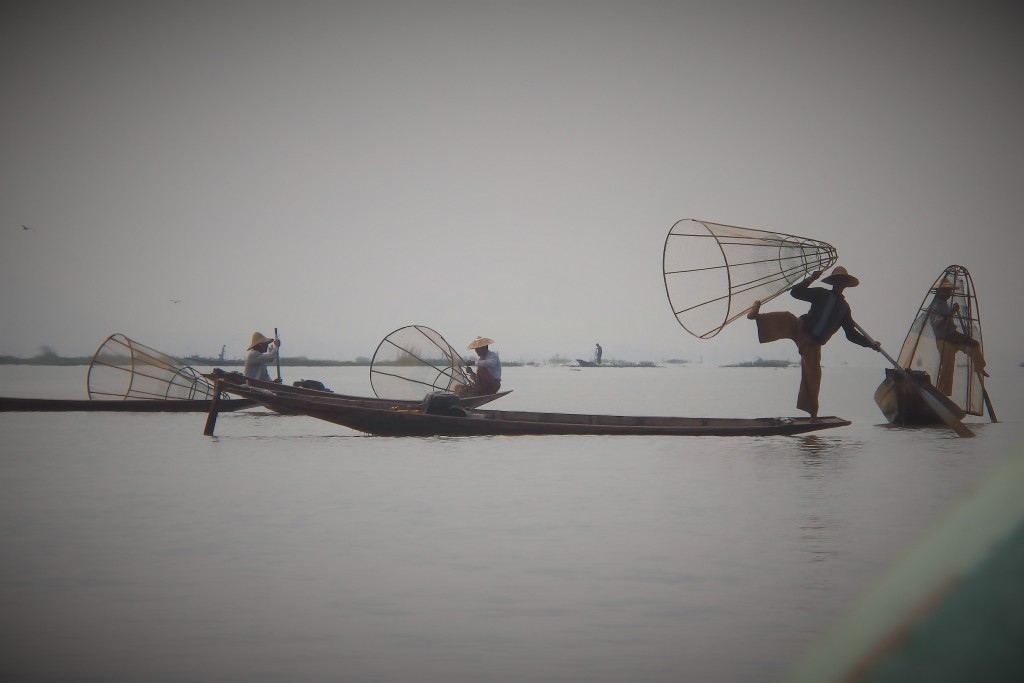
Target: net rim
[(783, 240), (450, 351)]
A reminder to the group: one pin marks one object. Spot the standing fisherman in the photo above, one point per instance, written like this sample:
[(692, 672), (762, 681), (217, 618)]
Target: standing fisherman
[(950, 340), (829, 311)]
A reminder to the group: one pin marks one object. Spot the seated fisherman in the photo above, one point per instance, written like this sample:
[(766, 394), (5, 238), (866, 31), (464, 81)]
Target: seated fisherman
[(487, 377)]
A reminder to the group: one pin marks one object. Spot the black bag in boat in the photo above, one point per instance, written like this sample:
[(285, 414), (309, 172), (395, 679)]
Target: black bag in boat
[(442, 403), (311, 384)]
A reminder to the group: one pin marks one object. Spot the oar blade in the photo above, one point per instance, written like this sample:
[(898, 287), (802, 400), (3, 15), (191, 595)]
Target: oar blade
[(940, 409)]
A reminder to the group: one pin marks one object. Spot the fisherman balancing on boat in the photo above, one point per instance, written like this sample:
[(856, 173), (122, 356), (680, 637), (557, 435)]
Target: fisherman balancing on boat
[(260, 355), (829, 312), (487, 377), (949, 340)]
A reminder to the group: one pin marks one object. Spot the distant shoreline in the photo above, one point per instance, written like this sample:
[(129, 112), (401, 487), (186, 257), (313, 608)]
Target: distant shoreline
[(188, 360), (296, 362), (761, 363)]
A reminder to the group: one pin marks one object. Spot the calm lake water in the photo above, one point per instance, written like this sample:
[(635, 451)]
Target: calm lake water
[(287, 549)]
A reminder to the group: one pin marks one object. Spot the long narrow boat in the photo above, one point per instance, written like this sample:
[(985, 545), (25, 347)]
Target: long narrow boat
[(453, 420), (229, 379), (135, 405), (126, 376)]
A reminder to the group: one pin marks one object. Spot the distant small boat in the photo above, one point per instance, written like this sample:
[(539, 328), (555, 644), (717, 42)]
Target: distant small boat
[(587, 363), (446, 417)]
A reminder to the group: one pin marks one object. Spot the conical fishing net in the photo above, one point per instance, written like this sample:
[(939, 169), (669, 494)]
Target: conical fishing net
[(714, 272), (951, 367), (413, 361), (125, 369)]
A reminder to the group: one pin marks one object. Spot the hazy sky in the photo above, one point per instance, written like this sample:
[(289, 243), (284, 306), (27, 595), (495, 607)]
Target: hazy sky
[(507, 169)]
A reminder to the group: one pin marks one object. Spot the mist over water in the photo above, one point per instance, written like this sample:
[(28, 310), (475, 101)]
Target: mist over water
[(286, 548)]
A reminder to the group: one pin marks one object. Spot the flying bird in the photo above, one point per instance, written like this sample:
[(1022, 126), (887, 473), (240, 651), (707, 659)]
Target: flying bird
[(175, 301), (25, 227)]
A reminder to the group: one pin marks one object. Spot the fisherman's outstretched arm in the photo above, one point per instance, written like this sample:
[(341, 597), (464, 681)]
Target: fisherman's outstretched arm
[(850, 328)]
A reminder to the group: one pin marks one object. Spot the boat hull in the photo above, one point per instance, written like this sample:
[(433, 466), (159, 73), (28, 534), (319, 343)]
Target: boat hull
[(59, 405), (410, 421), (901, 402)]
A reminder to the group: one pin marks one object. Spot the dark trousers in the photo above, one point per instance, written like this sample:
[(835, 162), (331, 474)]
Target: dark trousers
[(785, 325), (485, 383)]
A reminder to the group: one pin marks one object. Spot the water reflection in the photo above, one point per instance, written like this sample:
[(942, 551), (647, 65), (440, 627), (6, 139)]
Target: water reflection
[(823, 456), (816, 471), (821, 445)]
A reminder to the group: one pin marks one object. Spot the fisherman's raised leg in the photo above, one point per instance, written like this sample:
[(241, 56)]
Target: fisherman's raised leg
[(777, 325)]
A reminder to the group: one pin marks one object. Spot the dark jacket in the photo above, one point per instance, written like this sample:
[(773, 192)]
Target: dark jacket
[(829, 311)]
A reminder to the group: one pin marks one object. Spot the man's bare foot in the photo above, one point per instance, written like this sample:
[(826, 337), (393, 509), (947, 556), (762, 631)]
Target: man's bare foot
[(752, 313), (814, 419)]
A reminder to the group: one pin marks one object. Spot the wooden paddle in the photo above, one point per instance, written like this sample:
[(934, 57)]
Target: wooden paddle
[(278, 357), (211, 416), (933, 401)]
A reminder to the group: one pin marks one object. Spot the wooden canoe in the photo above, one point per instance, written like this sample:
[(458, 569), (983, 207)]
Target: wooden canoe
[(902, 404), (132, 405), (373, 418), (228, 379)]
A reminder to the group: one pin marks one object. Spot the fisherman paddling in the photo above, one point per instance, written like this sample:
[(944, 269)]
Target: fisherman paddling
[(829, 312), (260, 355)]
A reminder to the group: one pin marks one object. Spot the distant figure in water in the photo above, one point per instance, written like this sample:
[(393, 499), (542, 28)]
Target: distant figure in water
[(487, 377), (829, 311), (597, 353), (949, 340), (258, 357)]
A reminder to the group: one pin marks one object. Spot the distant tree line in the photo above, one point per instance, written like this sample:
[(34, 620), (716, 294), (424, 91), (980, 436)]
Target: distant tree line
[(46, 356)]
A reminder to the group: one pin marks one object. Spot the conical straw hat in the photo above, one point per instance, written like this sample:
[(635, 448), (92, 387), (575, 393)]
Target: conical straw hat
[(480, 341), (839, 276), (257, 339)]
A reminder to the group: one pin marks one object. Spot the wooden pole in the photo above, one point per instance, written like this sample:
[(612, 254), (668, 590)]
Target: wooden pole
[(988, 402), (278, 357), (211, 417)]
